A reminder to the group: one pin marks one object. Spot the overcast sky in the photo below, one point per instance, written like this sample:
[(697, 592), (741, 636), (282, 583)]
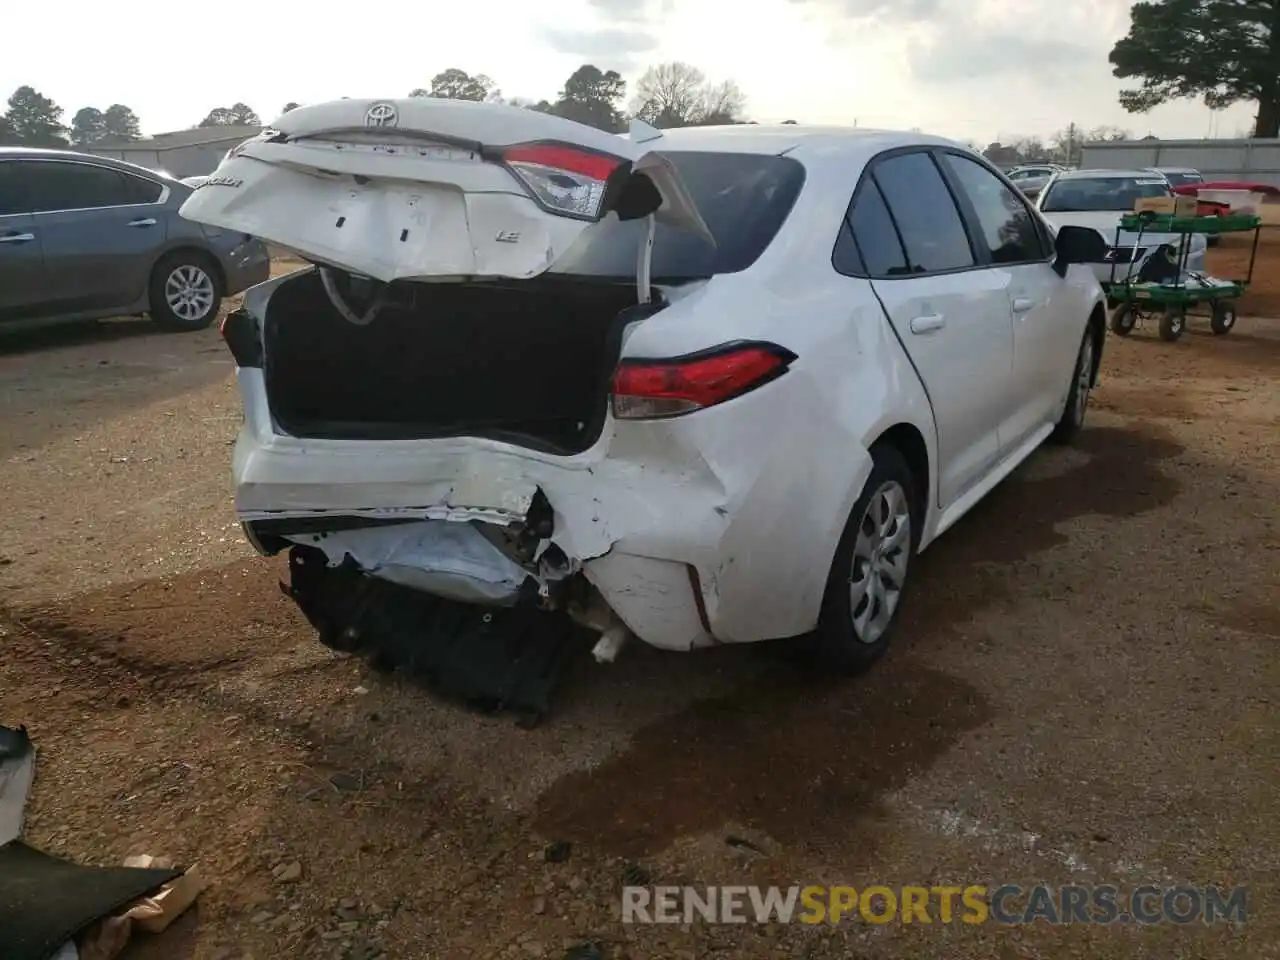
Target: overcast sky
[(969, 69)]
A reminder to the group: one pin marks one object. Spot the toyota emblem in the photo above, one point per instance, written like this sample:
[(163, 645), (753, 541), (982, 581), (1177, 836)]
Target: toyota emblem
[(381, 115)]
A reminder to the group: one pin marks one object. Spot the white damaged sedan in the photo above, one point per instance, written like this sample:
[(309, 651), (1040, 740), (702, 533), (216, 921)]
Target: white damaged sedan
[(700, 386)]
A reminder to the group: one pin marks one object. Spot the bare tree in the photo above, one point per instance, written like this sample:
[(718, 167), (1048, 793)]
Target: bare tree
[(678, 95), (721, 103)]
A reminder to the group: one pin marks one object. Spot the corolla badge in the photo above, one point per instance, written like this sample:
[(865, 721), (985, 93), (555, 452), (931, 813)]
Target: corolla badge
[(381, 115)]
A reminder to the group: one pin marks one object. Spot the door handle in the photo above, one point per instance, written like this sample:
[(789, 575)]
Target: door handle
[(929, 324), (144, 222), (1022, 304), (17, 238)]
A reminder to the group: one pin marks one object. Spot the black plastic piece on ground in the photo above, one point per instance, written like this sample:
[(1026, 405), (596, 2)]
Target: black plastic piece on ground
[(492, 658), (45, 901), (14, 744)]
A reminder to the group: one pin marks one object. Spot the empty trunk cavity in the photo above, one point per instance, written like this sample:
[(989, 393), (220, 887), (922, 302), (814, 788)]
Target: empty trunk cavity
[(527, 362)]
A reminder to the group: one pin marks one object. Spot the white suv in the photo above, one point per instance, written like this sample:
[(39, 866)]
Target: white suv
[(699, 386)]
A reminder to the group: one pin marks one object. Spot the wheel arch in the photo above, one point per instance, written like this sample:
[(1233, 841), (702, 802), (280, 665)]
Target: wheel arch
[(907, 439), (1097, 330)]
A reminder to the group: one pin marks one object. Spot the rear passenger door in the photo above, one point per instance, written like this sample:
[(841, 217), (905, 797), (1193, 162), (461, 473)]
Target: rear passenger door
[(101, 230), (951, 315), (22, 282), (1046, 333)]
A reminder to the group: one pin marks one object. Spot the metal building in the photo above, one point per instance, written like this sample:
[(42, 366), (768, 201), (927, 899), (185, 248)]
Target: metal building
[(1255, 160), (183, 153)]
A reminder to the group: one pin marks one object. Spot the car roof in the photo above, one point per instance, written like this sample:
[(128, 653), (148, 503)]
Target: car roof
[(47, 153), (1104, 174), (784, 138), (1175, 169)]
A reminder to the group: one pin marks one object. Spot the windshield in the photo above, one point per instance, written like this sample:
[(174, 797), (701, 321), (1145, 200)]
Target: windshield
[(1101, 194), (743, 198), (1181, 179)]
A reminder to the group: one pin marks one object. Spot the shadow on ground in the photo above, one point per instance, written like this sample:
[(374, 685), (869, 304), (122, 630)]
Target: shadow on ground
[(785, 752), (793, 754), (68, 380), (78, 334)]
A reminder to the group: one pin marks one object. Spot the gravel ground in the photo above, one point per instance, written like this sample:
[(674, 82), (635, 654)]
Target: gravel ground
[(1084, 690)]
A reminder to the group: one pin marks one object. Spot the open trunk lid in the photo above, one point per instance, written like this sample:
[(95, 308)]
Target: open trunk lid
[(432, 189)]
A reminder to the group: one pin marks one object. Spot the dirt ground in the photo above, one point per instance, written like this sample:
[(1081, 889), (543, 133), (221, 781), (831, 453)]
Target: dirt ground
[(1084, 690)]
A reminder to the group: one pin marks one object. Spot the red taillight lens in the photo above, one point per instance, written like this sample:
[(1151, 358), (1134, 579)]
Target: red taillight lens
[(243, 338), (566, 180), (644, 389)]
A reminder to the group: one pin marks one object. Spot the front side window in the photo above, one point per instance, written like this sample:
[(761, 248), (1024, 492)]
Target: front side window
[(1095, 194), (1008, 227), (56, 185), (932, 232)]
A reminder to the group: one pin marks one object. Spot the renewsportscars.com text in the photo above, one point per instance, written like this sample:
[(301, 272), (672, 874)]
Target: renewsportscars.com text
[(1008, 904)]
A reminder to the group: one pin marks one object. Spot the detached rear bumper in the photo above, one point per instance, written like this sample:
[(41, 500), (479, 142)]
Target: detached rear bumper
[(692, 531)]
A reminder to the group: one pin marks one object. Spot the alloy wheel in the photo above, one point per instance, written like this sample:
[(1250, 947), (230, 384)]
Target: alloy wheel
[(880, 555), (189, 292), (1084, 379)]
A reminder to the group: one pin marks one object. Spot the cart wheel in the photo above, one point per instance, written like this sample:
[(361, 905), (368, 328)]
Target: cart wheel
[(1224, 316), (1173, 323), (1123, 319)]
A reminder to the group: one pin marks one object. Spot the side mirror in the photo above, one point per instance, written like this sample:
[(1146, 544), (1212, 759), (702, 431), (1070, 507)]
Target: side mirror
[(1077, 245)]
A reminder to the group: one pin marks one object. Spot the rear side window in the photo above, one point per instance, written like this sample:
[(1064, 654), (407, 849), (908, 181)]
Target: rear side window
[(1008, 229), (744, 198), (141, 190), (55, 186), (869, 243), (932, 232), (13, 194)]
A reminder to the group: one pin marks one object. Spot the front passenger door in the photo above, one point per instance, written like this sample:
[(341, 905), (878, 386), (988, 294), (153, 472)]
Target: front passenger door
[(951, 316)]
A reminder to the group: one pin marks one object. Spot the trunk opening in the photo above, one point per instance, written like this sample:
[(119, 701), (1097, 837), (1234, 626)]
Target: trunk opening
[(527, 362)]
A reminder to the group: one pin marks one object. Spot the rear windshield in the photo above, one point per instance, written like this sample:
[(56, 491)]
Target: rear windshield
[(743, 198), (1101, 193)]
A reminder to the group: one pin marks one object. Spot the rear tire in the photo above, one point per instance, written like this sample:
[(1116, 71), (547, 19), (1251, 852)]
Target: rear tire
[(1224, 317), (184, 294), (1123, 319), (870, 570), (1173, 323)]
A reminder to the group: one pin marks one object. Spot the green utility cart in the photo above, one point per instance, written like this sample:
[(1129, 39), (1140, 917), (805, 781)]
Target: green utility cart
[(1164, 287)]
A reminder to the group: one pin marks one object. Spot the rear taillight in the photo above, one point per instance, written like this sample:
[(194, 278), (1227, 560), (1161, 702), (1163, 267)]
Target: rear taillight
[(566, 180), (243, 337), (643, 389)]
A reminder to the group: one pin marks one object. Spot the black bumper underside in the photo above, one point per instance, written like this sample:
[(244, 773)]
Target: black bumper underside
[(491, 658)]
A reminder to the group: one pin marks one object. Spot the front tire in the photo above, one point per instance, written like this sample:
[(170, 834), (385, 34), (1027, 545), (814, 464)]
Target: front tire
[(1173, 323), (184, 294), (1072, 419), (868, 576)]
